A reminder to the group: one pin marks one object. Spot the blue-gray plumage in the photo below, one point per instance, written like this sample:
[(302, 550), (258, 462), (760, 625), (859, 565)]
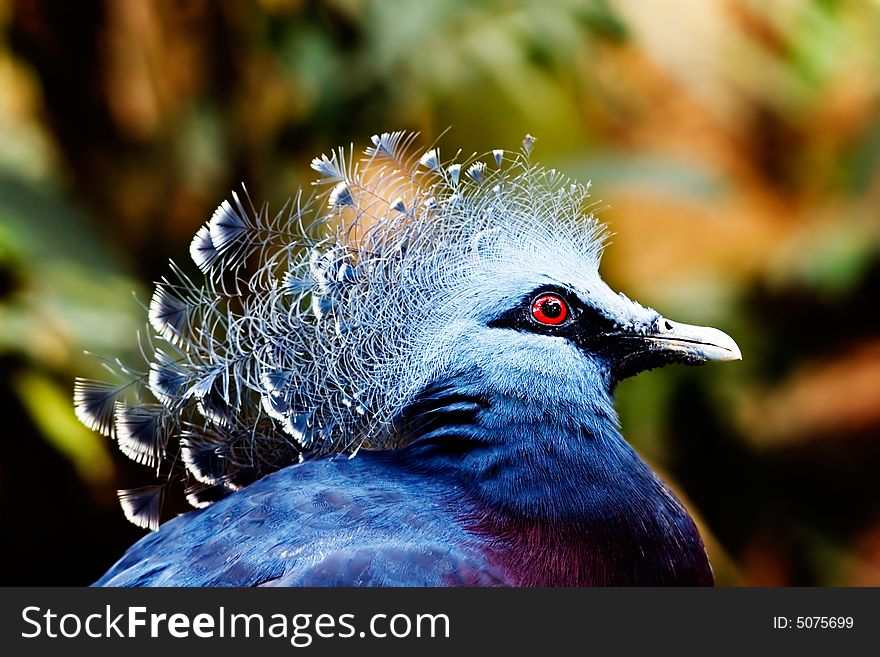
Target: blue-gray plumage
[(423, 397)]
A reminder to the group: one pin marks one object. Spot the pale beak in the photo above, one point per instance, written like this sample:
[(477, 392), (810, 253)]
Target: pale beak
[(700, 343), (665, 342)]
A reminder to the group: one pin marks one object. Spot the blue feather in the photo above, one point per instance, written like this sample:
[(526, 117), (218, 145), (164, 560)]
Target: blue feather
[(168, 380), (95, 404), (142, 432), (227, 226), (202, 249), (142, 506)]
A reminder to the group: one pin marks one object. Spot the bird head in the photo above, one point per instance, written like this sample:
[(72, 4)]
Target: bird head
[(501, 291), (535, 321)]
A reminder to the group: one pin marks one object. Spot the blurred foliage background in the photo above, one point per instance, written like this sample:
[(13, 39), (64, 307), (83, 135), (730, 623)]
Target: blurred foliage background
[(736, 144)]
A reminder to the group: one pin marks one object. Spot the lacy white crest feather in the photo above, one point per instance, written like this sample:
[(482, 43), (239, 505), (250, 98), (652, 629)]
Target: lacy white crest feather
[(315, 326)]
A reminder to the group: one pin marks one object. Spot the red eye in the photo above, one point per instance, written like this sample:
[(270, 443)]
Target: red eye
[(549, 309)]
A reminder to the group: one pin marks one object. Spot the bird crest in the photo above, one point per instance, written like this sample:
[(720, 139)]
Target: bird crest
[(306, 332)]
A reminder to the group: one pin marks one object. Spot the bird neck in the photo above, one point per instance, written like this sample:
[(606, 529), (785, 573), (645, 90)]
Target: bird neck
[(565, 504)]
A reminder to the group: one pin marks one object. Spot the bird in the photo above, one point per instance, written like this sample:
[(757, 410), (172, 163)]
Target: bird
[(405, 377)]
